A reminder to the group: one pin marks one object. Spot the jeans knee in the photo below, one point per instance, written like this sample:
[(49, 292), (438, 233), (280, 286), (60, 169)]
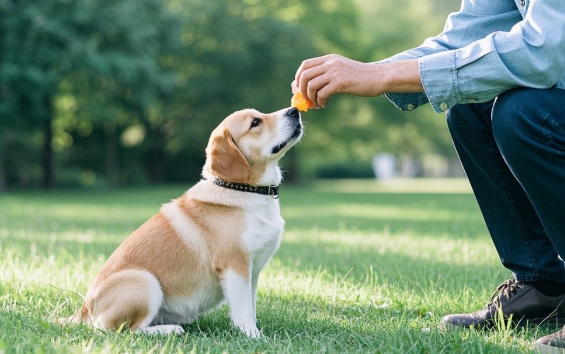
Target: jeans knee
[(457, 121), (465, 121), (511, 117)]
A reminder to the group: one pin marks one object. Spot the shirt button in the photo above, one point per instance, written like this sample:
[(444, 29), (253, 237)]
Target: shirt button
[(443, 106), (410, 107), (523, 3)]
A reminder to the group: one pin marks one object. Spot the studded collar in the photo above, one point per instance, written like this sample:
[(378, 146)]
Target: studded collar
[(244, 187)]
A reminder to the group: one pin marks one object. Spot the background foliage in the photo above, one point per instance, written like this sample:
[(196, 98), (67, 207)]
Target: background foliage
[(126, 92)]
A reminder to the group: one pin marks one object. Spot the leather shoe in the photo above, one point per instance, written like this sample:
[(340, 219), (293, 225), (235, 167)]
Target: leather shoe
[(518, 303), (551, 344)]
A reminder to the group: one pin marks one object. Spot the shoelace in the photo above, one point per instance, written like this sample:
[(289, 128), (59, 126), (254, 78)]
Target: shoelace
[(507, 289), (510, 287)]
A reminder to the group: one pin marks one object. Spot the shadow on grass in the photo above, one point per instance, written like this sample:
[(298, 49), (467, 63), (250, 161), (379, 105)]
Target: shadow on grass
[(424, 213), (391, 265)]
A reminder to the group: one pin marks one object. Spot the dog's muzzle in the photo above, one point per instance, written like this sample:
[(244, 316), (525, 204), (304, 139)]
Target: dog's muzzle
[(294, 116)]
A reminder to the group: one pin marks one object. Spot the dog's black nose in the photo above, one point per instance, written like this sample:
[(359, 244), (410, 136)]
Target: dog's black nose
[(293, 113)]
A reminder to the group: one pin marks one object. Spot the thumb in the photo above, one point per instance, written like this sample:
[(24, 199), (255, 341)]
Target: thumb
[(294, 87)]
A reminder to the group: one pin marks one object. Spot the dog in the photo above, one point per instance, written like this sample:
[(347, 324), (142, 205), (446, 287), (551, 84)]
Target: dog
[(207, 246)]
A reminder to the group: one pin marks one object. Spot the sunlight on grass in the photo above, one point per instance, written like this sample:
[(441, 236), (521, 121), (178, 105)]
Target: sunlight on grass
[(65, 214), (395, 185), (377, 212), (363, 267)]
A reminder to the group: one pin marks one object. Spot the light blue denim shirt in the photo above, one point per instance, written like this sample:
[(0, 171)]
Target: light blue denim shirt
[(488, 47)]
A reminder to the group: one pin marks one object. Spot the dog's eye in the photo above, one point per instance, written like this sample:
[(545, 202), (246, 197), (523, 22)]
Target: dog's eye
[(255, 122)]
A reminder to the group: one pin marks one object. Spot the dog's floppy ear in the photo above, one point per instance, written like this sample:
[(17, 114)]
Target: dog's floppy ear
[(226, 161)]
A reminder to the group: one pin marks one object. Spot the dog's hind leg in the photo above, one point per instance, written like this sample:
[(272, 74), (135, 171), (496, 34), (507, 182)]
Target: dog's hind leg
[(128, 298)]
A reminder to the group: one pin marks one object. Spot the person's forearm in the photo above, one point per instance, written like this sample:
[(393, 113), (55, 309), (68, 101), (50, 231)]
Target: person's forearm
[(400, 76), (321, 77)]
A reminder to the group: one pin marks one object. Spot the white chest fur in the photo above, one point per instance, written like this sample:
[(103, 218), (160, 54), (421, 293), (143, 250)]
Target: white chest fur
[(265, 227)]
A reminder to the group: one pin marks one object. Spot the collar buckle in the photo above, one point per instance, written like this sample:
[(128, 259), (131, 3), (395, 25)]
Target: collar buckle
[(273, 191)]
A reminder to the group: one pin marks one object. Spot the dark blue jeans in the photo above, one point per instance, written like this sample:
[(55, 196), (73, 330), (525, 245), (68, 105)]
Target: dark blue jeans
[(513, 152)]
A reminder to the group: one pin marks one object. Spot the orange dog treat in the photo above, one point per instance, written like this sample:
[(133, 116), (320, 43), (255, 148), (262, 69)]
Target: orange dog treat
[(301, 102)]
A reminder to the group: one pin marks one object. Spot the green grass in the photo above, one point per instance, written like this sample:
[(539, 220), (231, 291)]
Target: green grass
[(364, 267)]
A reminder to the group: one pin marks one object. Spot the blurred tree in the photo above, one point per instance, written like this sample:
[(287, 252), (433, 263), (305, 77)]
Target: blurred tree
[(47, 41), (233, 55), (4, 104), (130, 90)]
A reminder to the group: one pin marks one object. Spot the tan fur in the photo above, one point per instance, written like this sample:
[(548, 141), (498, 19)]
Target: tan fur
[(156, 247), (227, 252), (199, 248), (227, 161), (257, 171), (117, 288)]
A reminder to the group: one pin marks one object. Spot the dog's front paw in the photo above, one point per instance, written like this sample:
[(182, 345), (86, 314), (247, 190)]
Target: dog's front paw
[(252, 332)]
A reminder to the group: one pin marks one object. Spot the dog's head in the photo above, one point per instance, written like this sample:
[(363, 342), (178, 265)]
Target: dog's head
[(247, 145)]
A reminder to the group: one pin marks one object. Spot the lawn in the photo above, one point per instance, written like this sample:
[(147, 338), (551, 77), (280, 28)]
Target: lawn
[(364, 267)]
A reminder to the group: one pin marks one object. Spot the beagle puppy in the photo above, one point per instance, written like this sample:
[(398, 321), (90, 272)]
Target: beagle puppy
[(209, 245)]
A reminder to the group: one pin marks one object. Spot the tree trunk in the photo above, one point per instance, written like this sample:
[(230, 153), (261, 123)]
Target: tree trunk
[(112, 158), (47, 156), (156, 159), (156, 165), (2, 174)]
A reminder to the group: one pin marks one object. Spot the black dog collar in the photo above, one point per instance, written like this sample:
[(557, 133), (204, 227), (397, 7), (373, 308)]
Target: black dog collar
[(243, 187)]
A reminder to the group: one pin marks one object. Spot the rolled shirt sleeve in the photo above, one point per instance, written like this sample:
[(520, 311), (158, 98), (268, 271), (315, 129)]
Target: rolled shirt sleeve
[(486, 48)]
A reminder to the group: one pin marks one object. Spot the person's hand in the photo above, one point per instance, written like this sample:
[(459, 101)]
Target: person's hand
[(319, 78)]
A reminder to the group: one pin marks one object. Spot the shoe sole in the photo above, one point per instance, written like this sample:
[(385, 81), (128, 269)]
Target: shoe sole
[(448, 326), (557, 322)]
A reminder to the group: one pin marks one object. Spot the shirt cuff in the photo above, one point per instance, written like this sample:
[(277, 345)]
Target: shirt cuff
[(439, 78), (407, 101)]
